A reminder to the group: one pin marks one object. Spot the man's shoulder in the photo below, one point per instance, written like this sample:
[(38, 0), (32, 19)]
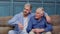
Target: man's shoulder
[(44, 19), (32, 14), (19, 14), (32, 17)]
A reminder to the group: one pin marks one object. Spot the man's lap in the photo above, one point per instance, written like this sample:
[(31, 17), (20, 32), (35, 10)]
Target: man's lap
[(12, 32), (42, 33), (15, 32)]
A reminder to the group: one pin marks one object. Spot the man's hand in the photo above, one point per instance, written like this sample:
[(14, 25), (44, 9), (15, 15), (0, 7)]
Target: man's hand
[(20, 26), (48, 18), (37, 30), (33, 30), (41, 30)]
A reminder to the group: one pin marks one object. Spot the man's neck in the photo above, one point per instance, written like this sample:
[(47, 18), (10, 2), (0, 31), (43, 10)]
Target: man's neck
[(39, 18), (25, 15)]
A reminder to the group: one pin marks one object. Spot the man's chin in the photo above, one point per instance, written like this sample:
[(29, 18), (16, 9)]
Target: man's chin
[(25, 14), (36, 17)]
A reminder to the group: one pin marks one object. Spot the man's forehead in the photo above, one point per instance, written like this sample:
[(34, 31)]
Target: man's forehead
[(26, 7), (27, 4)]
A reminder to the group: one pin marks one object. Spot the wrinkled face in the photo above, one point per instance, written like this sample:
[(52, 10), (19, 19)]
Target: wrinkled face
[(39, 13), (27, 10)]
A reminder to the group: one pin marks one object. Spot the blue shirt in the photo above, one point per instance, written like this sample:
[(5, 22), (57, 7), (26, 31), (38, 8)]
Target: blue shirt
[(42, 23), (18, 18)]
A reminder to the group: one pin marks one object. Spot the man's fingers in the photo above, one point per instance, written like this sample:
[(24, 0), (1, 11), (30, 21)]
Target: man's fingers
[(20, 26), (33, 29)]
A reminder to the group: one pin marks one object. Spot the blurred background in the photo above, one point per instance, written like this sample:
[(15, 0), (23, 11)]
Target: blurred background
[(12, 7), (8, 8)]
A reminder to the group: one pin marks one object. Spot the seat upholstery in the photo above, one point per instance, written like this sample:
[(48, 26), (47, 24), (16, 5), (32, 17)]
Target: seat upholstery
[(4, 27), (56, 24)]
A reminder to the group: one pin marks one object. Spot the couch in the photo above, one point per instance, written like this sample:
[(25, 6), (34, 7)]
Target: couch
[(4, 27)]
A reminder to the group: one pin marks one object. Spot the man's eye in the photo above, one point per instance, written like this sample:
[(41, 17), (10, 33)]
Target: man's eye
[(26, 9), (37, 13)]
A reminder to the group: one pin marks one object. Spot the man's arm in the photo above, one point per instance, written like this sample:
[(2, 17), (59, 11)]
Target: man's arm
[(47, 17), (14, 20), (29, 28), (48, 27)]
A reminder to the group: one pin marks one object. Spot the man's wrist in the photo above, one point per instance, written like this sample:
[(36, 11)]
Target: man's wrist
[(33, 30), (43, 30)]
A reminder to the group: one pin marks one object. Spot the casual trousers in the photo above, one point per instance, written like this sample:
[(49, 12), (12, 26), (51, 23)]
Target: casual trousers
[(42, 33), (15, 32)]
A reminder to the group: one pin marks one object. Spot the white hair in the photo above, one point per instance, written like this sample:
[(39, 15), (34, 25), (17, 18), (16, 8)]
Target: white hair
[(40, 8)]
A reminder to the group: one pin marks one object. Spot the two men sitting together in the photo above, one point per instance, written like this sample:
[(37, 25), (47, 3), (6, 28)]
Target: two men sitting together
[(31, 23)]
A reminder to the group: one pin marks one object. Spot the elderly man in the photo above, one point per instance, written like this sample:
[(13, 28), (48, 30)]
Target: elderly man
[(38, 23), (20, 21)]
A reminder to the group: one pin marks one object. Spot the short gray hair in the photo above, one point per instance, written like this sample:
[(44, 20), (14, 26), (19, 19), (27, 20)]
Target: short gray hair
[(28, 4), (41, 8)]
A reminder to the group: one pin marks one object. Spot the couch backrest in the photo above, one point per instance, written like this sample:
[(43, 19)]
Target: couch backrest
[(4, 20), (4, 27), (56, 23)]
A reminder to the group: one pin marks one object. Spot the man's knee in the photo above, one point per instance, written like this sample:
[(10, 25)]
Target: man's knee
[(48, 33), (31, 32), (11, 32), (42, 33)]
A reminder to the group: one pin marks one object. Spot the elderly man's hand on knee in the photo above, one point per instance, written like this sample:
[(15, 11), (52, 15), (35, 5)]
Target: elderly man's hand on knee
[(37, 30)]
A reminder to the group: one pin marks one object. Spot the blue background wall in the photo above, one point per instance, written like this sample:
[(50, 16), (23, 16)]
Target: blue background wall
[(12, 7)]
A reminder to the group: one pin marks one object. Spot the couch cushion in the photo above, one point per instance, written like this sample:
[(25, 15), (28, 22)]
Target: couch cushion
[(4, 27), (4, 30), (56, 24), (56, 30), (55, 20), (4, 20)]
